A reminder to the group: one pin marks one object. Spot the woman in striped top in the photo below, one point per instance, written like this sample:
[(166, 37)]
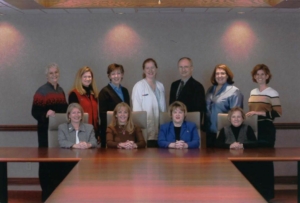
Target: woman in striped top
[(264, 102)]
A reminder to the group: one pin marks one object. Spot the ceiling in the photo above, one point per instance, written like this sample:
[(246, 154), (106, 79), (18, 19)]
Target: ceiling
[(8, 7)]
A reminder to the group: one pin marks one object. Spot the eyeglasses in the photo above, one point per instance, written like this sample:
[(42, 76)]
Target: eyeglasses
[(184, 67)]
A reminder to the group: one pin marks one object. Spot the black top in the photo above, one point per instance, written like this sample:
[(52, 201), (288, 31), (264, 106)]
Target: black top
[(251, 138), (192, 95), (107, 101), (73, 97), (177, 132)]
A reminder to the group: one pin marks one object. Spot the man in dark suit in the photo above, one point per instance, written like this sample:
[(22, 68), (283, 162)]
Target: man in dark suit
[(188, 90)]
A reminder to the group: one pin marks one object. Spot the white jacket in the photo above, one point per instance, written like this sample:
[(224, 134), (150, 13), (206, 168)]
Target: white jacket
[(144, 99)]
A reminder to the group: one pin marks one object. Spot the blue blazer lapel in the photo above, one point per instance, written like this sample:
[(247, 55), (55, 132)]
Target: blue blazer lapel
[(184, 130), (171, 131)]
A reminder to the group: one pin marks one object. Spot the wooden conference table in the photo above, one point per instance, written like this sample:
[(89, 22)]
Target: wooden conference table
[(149, 175)]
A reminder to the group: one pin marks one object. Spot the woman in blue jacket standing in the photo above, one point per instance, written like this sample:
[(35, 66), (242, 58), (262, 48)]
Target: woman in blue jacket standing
[(178, 133), (220, 98)]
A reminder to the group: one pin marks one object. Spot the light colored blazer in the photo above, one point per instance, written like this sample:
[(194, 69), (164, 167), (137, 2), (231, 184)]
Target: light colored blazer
[(67, 135), (144, 99), (188, 133)]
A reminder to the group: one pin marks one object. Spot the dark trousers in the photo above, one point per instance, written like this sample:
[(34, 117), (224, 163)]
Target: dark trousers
[(51, 175), (152, 144), (210, 139), (260, 174)]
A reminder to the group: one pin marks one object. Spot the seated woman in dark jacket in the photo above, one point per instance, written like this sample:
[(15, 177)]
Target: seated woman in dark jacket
[(122, 133), (75, 133), (178, 133), (237, 135)]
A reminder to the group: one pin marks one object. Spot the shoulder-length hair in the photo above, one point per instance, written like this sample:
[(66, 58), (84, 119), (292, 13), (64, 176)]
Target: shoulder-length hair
[(228, 73), (264, 68), (114, 66), (73, 106), (114, 122), (146, 61), (78, 83)]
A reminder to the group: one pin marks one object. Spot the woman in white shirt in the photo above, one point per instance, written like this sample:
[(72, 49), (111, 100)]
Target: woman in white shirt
[(148, 95)]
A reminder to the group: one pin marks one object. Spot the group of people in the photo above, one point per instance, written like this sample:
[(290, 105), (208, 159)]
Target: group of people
[(148, 94)]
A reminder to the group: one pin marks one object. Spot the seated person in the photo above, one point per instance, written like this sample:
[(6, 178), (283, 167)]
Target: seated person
[(121, 132), (75, 133), (178, 133), (237, 135)]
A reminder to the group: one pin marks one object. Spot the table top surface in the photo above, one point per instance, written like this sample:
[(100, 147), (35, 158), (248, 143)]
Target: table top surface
[(152, 175)]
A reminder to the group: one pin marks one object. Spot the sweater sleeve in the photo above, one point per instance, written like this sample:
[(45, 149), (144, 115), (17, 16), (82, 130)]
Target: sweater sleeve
[(140, 141), (110, 138), (73, 98), (39, 109)]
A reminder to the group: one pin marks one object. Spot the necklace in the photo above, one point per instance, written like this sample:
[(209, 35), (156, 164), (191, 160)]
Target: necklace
[(122, 129)]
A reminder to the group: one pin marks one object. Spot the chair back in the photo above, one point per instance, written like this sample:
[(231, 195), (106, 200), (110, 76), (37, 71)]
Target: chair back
[(54, 122), (224, 121), (194, 117), (139, 119)]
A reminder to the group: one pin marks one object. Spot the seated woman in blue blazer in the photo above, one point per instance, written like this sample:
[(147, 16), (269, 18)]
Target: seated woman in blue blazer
[(178, 133)]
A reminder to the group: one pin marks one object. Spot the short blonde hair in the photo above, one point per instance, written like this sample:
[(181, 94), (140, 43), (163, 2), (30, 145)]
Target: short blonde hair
[(73, 106), (175, 105), (78, 83), (114, 122)]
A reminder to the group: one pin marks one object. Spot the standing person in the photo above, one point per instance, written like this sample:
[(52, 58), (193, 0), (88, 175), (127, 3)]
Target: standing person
[(84, 92), (220, 98), (148, 95), (121, 132), (111, 95), (264, 102), (188, 90), (48, 100)]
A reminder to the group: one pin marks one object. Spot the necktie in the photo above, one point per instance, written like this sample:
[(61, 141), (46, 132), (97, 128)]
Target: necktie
[(179, 89)]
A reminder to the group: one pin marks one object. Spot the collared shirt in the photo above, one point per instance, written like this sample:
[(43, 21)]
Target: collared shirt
[(118, 90)]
